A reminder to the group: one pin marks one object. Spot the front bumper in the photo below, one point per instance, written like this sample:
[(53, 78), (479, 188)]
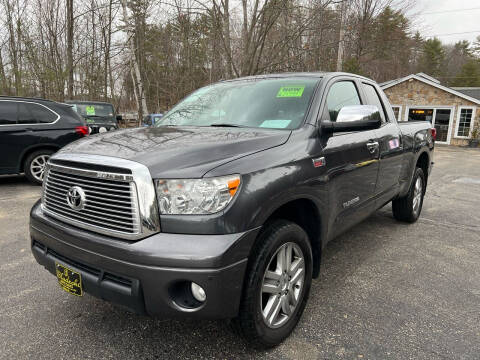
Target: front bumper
[(144, 274)]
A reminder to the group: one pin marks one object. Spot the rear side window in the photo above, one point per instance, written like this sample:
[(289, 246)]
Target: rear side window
[(8, 113), (342, 93), (374, 99), (24, 114), (41, 114)]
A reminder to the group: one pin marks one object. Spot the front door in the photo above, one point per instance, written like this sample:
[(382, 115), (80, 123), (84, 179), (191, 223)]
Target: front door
[(352, 162), (441, 122)]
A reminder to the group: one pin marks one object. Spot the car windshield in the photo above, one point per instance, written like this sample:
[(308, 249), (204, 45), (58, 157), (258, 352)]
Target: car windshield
[(261, 103), (85, 109)]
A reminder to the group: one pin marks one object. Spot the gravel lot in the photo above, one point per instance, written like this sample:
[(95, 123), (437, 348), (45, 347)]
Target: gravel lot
[(387, 290)]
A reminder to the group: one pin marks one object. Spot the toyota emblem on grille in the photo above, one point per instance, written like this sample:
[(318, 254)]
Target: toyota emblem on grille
[(76, 198)]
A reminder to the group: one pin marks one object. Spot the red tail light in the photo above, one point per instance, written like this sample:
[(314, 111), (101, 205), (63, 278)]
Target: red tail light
[(82, 130), (433, 131)]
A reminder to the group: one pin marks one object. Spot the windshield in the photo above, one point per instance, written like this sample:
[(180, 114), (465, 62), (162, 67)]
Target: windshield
[(261, 103), (103, 110)]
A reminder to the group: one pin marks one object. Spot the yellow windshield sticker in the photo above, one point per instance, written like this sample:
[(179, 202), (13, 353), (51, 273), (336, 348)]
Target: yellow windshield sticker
[(90, 110), (290, 91)]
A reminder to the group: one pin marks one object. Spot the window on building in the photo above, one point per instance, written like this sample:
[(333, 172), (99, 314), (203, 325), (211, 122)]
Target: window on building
[(464, 122), (396, 112)]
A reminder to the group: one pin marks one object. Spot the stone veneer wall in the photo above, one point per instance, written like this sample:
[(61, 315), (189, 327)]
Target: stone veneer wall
[(416, 93)]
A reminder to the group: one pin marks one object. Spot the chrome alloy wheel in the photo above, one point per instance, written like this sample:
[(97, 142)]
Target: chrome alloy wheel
[(37, 166), (417, 195), (282, 285)]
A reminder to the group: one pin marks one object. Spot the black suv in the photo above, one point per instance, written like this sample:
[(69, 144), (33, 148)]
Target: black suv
[(31, 130)]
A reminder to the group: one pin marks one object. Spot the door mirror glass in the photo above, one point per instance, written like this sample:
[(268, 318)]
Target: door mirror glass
[(354, 118)]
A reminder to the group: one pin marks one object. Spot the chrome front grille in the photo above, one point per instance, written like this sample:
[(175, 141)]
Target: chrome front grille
[(107, 201)]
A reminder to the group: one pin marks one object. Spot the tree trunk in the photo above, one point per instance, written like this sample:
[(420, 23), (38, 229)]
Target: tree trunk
[(141, 100)]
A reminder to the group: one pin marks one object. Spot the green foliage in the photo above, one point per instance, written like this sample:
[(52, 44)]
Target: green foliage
[(475, 134), (469, 75), (433, 58)]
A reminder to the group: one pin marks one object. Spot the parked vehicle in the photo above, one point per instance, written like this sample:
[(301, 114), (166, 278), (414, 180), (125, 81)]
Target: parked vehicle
[(225, 209), (99, 116), (31, 130), (152, 120)]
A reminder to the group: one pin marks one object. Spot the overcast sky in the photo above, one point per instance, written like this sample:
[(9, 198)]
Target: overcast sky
[(447, 22)]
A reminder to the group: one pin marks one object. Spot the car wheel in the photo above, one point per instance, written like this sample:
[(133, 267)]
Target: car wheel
[(277, 285), (34, 166), (409, 207)]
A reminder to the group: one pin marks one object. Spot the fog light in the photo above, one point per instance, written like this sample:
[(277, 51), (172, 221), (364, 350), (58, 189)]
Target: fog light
[(198, 292), (102, 129)]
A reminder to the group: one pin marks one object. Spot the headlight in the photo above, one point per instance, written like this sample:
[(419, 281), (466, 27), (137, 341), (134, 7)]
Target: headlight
[(196, 196)]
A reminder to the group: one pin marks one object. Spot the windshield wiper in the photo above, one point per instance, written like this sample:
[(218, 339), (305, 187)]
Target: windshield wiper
[(226, 125)]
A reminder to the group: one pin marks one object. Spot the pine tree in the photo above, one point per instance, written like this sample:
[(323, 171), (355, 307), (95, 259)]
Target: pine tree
[(433, 57), (469, 75)]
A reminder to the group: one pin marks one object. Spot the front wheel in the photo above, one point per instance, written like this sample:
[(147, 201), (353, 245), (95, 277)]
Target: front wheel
[(277, 285), (409, 207)]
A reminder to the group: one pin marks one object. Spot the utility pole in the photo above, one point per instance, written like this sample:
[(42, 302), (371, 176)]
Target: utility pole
[(341, 36)]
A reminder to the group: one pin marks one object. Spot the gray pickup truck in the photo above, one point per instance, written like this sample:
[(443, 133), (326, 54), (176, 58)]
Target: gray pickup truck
[(224, 210)]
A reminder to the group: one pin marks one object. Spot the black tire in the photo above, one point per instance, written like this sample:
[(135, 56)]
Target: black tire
[(33, 178), (403, 208), (250, 322)]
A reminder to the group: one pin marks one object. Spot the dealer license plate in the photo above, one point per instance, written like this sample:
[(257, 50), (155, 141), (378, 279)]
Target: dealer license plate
[(69, 280)]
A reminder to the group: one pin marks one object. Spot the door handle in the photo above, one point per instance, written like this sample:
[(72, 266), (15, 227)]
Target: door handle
[(372, 146)]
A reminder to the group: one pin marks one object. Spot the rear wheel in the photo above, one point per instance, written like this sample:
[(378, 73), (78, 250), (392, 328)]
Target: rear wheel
[(277, 285), (34, 166), (409, 207)]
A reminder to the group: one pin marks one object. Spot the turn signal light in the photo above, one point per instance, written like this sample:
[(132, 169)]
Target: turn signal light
[(82, 130), (433, 131)]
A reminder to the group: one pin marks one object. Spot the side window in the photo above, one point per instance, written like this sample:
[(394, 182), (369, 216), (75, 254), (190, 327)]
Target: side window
[(8, 113), (374, 99), (24, 114), (342, 93), (41, 114)]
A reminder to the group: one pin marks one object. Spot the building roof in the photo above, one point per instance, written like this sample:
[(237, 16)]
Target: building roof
[(430, 81), (470, 91)]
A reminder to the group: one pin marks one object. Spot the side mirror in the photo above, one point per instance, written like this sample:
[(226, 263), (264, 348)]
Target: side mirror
[(119, 118), (354, 118)]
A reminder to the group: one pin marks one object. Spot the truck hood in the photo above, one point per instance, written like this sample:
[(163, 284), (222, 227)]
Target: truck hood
[(180, 152)]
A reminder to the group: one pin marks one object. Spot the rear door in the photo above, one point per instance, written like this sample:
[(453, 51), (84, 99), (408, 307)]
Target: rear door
[(10, 147), (390, 145), (23, 125), (351, 159)]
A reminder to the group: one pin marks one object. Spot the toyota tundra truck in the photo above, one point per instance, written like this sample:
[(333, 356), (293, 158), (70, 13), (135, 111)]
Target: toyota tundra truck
[(223, 210)]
